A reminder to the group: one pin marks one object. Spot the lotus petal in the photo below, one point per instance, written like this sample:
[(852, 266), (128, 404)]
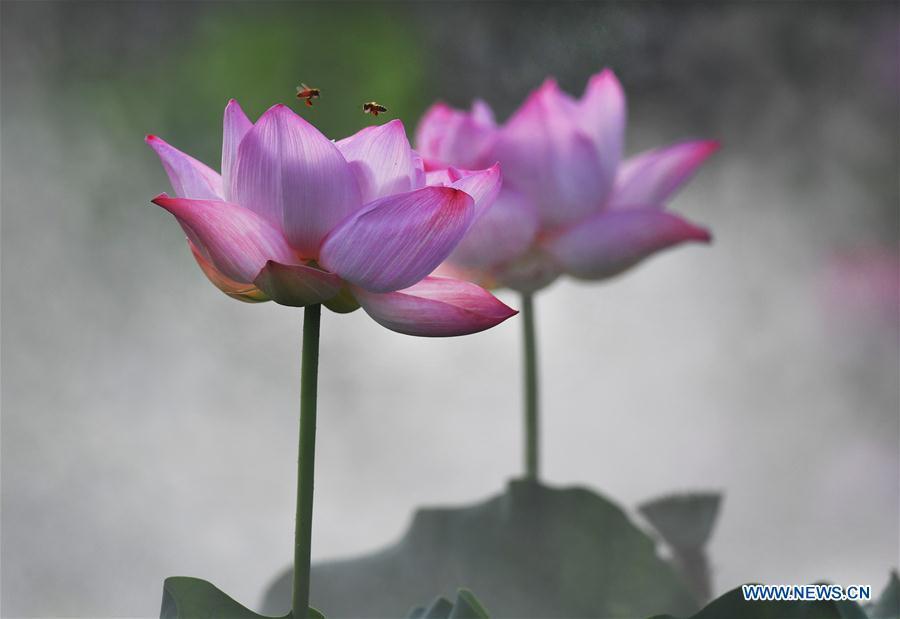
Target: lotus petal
[(546, 154), (502, 234), (610, 242), (236, 241), (396, 241), (190, 178), (236, 290), (455, 137), (297, 285), (649, 179), (235, 126), (295, 178), (602, 114), (436, 307), (382, 160)]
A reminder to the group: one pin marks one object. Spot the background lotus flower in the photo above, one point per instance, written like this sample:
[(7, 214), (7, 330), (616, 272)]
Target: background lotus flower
[(301, 220), (569, 203)]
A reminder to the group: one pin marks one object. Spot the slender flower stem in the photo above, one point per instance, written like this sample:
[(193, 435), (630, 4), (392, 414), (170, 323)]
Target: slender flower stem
[(306, 464), (531, 388)]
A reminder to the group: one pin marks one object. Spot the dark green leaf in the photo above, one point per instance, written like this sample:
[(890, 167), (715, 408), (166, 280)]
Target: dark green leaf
[(531, 551), (888, 604), (193, 598), (439, 609)]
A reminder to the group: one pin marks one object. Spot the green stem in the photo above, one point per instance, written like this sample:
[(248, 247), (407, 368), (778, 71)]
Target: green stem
[(309, 370), (531, 388)]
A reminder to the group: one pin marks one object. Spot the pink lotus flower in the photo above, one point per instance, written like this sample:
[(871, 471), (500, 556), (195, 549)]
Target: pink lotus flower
[(301, 220), (569, 204)]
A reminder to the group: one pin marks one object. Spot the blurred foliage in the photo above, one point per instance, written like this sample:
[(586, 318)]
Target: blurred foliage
[(732, 605), (353, 53), (466, 606), (887, 606), (685, 522), (531, 551), (193, 598)]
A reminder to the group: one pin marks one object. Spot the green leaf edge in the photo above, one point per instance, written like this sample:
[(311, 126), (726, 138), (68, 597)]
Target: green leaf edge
[(468, 606), (186, 597)]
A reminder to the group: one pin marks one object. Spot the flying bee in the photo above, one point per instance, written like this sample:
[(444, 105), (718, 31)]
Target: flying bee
[(305, 92), (374, 108)]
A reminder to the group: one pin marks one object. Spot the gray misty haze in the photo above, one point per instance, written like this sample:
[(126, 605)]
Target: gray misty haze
[(149, 422)]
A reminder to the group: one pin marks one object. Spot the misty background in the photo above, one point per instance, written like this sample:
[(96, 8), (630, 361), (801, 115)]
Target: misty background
[(149, 422)]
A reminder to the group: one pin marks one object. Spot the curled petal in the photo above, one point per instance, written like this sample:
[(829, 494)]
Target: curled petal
[(502, 234), (236, 241), (297, 285), (649, 179), (442, 177), (610, 242), (396, 241), (482, 185), (236, 290), (455, 137), (189, 177), (602, 114), (381, 159), (295, 178), (436, 307), (419, 171), (547, 155), (235, 126)]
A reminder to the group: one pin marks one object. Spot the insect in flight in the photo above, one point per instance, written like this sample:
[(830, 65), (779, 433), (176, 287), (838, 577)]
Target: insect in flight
[(305, 92), (374, 108)]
